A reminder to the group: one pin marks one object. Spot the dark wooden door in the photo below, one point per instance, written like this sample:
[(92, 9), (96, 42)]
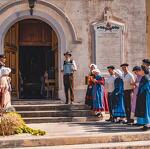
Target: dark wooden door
[(29, 33), (11, 52)]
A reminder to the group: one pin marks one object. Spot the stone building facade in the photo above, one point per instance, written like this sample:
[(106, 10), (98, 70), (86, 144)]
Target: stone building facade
[(148, 26), (73, 22)]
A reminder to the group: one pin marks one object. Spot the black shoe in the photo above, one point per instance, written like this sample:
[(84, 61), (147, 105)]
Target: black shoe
[(66, 102), (72, 103), (145, 128), (130, 122), (136, 125), (109, 120), (119, 122), (114, 120), (99, 115), (125, 122)]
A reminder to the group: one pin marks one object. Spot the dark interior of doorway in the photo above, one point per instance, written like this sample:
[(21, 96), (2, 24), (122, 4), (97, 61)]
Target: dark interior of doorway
[(33, 62)]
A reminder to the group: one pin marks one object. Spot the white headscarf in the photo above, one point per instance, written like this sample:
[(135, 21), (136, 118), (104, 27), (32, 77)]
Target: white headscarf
[(118, 72), (96, 70), (93, 65), (5, 71)]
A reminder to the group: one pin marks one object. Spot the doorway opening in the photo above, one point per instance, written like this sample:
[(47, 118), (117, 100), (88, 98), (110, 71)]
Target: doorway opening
[(32, 54), (34, 62)]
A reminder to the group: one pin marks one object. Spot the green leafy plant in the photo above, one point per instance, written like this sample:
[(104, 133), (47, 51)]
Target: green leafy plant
[(12, 123)]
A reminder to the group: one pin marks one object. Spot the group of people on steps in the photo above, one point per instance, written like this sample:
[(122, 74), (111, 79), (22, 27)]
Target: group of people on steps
[(125, 94)]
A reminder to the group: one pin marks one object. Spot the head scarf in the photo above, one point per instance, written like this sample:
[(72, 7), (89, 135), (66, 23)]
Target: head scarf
[(93, 65), (96, 70), (118, 72), (5, 71)]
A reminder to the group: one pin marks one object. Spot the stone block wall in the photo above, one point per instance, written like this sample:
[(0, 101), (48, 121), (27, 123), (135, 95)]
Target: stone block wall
[(148, 26), (82, 13)]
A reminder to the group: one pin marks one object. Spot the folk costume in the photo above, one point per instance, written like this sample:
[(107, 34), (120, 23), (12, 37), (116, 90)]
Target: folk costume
[(117, 96), (135, 91), (99, 97), (128, 79), (142, 111), (2, 65), (5, 88), (88, 97), (69, 66), (109, 85)]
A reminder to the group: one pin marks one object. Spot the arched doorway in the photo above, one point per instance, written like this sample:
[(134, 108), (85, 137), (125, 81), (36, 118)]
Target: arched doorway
[(15, 11), (31, 48)]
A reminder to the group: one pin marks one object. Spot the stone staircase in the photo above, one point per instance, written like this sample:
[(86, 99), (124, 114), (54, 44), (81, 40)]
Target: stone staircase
[(46, 112), (76, 128), (81, 139)]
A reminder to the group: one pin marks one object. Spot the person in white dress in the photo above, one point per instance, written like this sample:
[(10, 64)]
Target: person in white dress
[(5, 88)]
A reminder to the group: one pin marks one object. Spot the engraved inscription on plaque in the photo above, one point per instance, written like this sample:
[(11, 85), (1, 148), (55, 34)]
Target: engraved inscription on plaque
[(108, 45)]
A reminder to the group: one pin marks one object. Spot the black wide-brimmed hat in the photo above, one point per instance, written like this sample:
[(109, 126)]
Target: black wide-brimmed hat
[(124, 64), (146, 61), (2, 56), (145, 69), (67, 53), (111, 67), (136, 68)]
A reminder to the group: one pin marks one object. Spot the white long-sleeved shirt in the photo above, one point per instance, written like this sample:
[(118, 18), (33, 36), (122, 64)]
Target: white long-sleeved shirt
[(128, 79), (109, 83)]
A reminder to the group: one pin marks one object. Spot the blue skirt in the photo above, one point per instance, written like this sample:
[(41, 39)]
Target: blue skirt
[(98, 103), (146, 119), (119, 109)]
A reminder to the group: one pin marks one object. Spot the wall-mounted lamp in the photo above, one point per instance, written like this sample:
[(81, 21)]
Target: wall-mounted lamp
[(31, 5)]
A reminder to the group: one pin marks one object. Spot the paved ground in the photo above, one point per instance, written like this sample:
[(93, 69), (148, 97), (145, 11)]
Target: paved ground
[(120, 145), (79, 129)]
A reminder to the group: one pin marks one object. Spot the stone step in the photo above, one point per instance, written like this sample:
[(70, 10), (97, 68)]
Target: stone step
[(48, 113), (35, 101), (47, 107), (56, 113), (114, 141), (119, 145), (30, 120)]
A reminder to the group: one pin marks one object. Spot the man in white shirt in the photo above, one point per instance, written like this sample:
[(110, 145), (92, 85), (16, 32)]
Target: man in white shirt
[(109, 85), (129, 80), (68, 68)]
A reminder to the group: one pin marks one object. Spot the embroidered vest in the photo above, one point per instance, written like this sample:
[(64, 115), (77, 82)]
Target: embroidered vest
[(68, 67)]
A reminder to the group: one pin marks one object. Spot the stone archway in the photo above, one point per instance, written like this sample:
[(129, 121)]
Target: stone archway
[(41, 14)]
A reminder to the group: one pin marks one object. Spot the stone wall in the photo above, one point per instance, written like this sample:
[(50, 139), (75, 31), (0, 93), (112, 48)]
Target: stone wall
[(82, 13), (148, 26)]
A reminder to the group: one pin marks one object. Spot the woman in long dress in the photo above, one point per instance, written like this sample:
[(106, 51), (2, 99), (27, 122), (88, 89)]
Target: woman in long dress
[(98, 93), (5, 87), (142, 111), (88, 97), (118, 108), (136, 70)]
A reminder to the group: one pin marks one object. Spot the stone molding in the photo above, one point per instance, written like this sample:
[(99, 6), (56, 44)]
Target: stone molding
[(114, 20), (75, 39)]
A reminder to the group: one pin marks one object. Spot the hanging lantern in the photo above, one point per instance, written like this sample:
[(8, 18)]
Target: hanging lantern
[(31, 5)]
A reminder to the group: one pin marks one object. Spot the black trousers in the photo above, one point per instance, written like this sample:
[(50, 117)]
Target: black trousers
[(127, 102), (69, 86), (110, 104)]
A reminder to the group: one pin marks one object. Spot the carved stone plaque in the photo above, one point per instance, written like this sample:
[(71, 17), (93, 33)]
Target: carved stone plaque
[(108, 45)]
